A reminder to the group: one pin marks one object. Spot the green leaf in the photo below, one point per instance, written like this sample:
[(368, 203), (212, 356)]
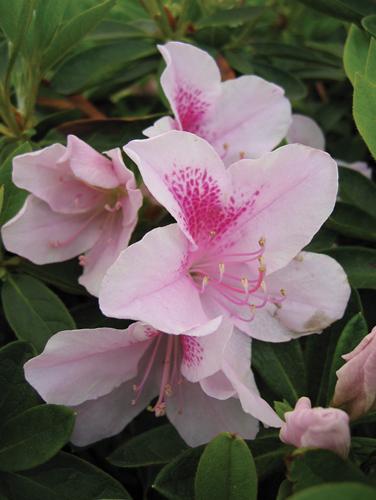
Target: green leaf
[(65, 477), (269, 453), (73, 31), (356, 189), (353, 222), (334, 8), (10, 15), (321, 466), (16, 395), (359, 264), (369, 23), (176, 480), (230, 17), (281, 407), (343, 491), (287, 51), (355, 52), (365, 110), (14, 197), (281, 367), (294, 88), (33, 311), (355, 330), (98, 65), (156, 446), (323, 240), (34, 436), (226, 470)]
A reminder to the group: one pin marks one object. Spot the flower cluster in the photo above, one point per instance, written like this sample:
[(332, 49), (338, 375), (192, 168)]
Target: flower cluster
[(230, 268)]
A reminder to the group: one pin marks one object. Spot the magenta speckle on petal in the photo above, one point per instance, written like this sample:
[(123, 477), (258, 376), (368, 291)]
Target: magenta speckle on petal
[(192, 351), (191, 108)]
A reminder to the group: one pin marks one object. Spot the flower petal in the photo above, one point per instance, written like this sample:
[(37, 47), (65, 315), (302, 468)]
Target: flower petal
[(265, 326), (198, 417), (218, 386), (304, 130), (185, 174), (317, 292), (88, 165), (149, 282), (191, 83), (162, 125), (77, 365), (43, 236), (202, 356), (41, 174), (250, 118), (295, 190)]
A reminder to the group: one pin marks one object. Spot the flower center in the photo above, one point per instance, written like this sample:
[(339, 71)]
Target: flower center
[(232, 287)]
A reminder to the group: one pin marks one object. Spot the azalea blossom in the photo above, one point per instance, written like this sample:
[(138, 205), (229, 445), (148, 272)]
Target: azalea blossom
[(304, 130), (242, 118), (235, 249), (81, 203), (204, 385), (308, 427), (355, 390)]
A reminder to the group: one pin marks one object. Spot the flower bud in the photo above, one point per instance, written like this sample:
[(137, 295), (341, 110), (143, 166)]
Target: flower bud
[(307, 427)]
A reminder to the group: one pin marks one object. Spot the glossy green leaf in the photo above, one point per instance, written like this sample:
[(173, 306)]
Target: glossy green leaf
[(365, 110), (34, 436), (359, 264), (355, 52), (156, 446), (14, 197), (369, 23), (344, 491), (73, 31), (281, 367), (351, 221), (230, 17), (16, 395), (355, 330), (226, 470), (33, 311)]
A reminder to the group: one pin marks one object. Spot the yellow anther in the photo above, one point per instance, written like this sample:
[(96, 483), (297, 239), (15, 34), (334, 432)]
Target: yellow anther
[(225, 146), (242, 155), (262, 242), (168, 390), (263, 286), (282, 292), (252, 307), (221, 270), (245, 283), (212, 234), (134, 387)]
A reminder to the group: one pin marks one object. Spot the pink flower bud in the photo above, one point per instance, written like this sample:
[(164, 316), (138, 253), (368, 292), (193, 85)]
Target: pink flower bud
[(356, 386), (308, 427)]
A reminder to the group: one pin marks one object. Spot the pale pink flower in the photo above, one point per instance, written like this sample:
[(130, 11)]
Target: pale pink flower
[(356, 386), (108, 376), (242, 118), (81, 202), (308, 427), (304, 130), (232, 250)]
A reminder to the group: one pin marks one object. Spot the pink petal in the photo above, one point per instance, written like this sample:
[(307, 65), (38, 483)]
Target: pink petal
[(185, 174), (202, 356), (149, 282), (304, 130), (317, 292), (77, 365), (124, 175), (43, 236), (250, 118), (198, 418), (88, 165), (218, 386), (265, 327), (41, 173), (296, 189), (162, 125), (191, 83)]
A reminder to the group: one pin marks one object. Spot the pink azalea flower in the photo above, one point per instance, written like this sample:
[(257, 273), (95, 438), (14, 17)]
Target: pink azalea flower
[(356, 386), (242, 118), (304, 130), (108, 376), (232, 250), (81, 202), (308, 427)]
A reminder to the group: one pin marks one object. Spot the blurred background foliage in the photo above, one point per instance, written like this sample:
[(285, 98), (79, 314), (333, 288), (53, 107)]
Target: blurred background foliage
[(92, 68)]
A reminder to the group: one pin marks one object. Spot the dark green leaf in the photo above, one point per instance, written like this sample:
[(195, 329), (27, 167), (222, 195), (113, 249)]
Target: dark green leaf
[(344, 491), (286, 51), (157, 446), (16, 395), (356, 189), (34, 436), (33, 311), (226, 470), (294, 88), (281, 366), (323, 240), (14, 197), (351, 221), (355, 330), (365, 110), (230, 17), (269, 453), (355, 52), (335, 8), (369, 23), (359, 264), (281, 407)]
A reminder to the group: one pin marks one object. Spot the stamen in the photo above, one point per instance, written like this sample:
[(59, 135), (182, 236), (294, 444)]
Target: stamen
[(204, 284), (242, 155), (262, 241), (221, 270), (138, 388), (82, 260), (116, 207)]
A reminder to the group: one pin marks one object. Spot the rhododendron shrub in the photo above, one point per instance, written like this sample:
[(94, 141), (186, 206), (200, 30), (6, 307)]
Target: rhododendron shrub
[(187, 214)]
